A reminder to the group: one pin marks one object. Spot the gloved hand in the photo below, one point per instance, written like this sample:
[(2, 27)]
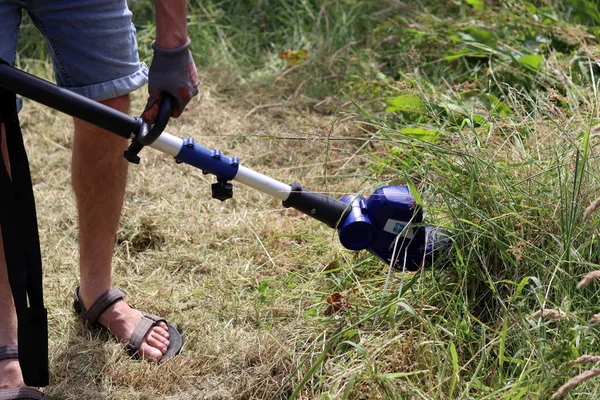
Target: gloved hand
[(172, 71)]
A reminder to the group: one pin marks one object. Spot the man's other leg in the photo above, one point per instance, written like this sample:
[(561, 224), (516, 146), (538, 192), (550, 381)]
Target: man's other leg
[(10, 371), (99, 174), (94, 53)]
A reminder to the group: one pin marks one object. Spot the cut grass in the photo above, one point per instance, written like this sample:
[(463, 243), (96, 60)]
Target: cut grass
[(195, 260)]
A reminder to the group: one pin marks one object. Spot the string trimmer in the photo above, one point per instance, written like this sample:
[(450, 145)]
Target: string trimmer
[(388, 223)]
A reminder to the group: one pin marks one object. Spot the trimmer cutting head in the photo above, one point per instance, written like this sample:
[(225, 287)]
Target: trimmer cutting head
[(389, 225)]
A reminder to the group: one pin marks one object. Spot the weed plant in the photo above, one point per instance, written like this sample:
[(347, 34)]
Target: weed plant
[(488, 109)]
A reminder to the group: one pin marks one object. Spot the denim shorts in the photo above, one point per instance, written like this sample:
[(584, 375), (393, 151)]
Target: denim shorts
[(92, 43)]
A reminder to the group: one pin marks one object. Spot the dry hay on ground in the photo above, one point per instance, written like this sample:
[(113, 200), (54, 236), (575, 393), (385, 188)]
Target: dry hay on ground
[(195, 260)]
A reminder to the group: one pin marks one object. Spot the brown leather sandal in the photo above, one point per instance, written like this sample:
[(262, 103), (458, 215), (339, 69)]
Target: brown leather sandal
[(22, 393), (107, 299)]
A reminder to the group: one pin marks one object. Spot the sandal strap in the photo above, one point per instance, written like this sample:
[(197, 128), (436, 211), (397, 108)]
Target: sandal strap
[(147, 322), (9, 351), (103, 302), (141, 330), (21, 393)]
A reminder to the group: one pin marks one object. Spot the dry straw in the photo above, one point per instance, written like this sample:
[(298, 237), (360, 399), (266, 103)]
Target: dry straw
[(550, 313), (586, 358), (591, 208), (595, 319), (589, 278), (584, 376)]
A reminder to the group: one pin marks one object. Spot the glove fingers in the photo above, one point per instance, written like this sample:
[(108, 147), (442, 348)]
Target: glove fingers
[(184, 95), (192, 75), (151, 111)]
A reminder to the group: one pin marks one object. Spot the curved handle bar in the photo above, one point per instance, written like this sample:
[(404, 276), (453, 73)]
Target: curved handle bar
[(147, 135)]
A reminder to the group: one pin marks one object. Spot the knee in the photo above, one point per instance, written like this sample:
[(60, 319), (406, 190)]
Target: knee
[(120, 103)]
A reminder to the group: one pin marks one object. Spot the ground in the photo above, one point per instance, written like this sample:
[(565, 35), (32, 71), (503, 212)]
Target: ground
[(213, 269)]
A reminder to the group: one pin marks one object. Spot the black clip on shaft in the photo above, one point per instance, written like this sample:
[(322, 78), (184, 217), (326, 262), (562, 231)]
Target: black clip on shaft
[(147, 134)]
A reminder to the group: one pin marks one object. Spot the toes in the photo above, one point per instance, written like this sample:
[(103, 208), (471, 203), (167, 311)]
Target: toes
[(156, 344), (159, 339), (162, 329), (165, 328), (149, 352)]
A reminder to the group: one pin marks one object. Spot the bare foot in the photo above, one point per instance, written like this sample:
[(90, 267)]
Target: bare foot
[(10, 374), (122, 320)]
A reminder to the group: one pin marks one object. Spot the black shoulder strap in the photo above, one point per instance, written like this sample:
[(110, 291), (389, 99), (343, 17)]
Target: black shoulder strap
[(18, 222)]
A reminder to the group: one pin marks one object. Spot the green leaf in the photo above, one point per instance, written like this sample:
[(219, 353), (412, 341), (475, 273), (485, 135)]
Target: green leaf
[(406, 103), (470, 52), (501, 355), (455, 368), (459, 115), (455, 108), (349, 386), (481, 35), (263, 286), (476, 4), (311, 371), (532, 61), (477, 119), (530, 7), (413, 190), (496, 106), (421, 133), (407, 307), (457, 54), (361, 350), (396, 375)]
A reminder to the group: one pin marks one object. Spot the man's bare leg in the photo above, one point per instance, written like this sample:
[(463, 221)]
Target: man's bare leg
[(99, 174), (10, 371)]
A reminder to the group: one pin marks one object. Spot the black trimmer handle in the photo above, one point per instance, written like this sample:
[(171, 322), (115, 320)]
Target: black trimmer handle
[(67, 102), (147, 135), (318, 206)]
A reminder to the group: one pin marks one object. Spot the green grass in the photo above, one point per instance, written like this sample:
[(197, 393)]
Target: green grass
[(488, 108)]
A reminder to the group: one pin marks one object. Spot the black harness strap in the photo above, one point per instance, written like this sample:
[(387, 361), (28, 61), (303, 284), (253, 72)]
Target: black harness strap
[(18, 221)]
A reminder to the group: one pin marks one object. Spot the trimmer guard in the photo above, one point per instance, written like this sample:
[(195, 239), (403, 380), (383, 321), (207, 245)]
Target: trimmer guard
[(389, 225)]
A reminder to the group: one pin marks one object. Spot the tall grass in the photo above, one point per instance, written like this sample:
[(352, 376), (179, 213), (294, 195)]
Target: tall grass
[(243, 39), (495, 124)]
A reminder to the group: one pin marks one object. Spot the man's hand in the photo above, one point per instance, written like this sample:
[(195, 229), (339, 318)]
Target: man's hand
[(172, 71)]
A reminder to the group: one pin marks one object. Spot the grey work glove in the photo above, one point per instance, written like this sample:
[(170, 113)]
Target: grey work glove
[(172, 71)]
